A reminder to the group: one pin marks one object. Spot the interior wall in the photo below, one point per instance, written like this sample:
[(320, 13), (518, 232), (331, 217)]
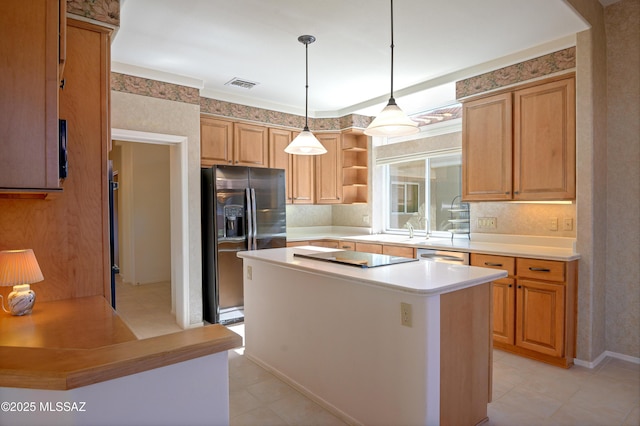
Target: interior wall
[(150, 231), (591, 187), (148, 114), (623, 178)]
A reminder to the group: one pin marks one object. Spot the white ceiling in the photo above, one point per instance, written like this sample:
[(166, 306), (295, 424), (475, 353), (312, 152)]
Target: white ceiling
[(206, 43)]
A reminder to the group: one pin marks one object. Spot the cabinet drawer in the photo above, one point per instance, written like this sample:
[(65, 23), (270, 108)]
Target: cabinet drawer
[(547, 270), (325, 243), (399, 251), (369, 248), (347, 245), (297, 243), (505, 263)]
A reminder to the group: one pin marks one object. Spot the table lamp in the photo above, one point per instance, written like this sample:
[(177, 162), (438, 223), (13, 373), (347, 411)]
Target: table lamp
[(19, 268)]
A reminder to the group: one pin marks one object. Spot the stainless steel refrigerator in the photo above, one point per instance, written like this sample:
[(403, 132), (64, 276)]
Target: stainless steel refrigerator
[(243, 208)]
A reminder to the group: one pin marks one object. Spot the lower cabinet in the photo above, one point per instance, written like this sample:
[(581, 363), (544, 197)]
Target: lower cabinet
[(390, 250), (534, 309)]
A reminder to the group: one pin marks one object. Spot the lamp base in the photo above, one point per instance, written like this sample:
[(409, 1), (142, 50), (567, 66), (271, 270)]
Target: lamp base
[(21, 300)]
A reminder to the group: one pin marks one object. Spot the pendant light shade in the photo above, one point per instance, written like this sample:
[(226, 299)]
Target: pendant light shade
[(392, 121), (306, 143)]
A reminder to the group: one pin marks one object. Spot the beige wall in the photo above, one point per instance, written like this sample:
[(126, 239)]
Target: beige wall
[(150, 237), (623, 178), (147, 114), (608, 274)]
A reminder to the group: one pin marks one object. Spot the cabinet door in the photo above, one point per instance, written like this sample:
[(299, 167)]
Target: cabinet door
[(544, 142), (503, 310), (216, 141), (250, 145), (487, 148), (302, 179), (278, 159), (29, 94), (540, 316), (329, 170)]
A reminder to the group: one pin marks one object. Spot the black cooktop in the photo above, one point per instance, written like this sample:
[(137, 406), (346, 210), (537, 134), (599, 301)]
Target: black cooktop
[(356, 258)]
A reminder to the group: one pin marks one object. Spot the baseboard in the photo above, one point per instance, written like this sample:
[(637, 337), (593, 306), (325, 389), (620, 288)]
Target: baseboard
[(603, 356)]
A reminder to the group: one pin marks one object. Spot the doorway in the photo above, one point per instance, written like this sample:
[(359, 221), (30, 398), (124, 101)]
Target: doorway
[(178, 226)]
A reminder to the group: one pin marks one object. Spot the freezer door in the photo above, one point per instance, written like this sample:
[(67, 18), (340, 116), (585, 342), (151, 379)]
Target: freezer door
[(232, 232), (270, 207)]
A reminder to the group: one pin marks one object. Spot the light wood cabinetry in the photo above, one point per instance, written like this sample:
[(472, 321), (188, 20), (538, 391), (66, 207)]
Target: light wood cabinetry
[(231, 143), (303, 187), (30, 40), (535, 307), (487, 148), (520, 144), (355, 170), (279, 139), (250, 145), (329, 170), (399, 251), (70, 234), (347, 245), (338, 177), (216, 141), (503, 295), (369, 247), (387, 249), (544, 140)]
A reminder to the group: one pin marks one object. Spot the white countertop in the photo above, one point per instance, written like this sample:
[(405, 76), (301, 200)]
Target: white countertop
[(419, 277), (548, 248)]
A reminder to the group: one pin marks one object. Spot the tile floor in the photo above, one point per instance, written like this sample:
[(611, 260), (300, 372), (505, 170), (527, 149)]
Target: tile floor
[(525, 392)]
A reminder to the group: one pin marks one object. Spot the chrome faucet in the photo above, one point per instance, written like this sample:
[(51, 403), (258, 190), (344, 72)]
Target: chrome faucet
[(410, 227)]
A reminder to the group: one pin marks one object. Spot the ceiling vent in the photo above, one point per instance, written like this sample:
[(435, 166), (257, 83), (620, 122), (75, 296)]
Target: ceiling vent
[(238, 82)]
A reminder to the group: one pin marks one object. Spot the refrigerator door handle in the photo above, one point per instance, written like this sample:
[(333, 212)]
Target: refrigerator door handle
[(250, 221), (254, 218)]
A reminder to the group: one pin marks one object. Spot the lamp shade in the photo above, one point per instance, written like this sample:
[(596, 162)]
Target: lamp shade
[(392, 121), (19, 267), (305, 144)]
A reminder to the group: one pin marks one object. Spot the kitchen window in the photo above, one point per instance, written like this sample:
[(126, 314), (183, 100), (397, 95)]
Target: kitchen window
[(419, 191)]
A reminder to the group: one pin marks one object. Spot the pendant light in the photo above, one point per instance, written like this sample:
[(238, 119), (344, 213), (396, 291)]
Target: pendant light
[(305, 143), (392, 121)]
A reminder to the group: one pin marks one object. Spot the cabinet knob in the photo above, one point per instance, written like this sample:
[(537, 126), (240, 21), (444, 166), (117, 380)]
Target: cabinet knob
[(519, 286), (510, 285)]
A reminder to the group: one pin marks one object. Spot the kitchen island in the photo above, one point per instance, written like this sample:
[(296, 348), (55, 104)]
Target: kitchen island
[(407, 343), (75, 362)]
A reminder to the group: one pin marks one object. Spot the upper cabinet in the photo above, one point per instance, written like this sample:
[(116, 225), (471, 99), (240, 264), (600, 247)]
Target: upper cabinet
[(30, 41), (329, 170), (231, 143), (279, 139), (338, 177), (520, 145), (355, 170), (250, 145), (216, 141)]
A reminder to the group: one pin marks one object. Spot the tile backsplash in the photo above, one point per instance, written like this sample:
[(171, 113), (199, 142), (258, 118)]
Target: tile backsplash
[(525, 218)]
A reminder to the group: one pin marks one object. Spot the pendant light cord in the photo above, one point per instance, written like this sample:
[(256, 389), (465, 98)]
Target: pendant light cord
[(306, 86), (391, 99)]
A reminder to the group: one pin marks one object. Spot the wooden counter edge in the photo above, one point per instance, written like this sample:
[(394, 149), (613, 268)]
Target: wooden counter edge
[(64, 369)]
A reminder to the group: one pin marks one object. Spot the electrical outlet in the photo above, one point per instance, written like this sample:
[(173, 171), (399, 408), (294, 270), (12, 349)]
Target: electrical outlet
[(249, 273), (487, 223), (405, 312), (553, 224), (365, 219), (567, 224)]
